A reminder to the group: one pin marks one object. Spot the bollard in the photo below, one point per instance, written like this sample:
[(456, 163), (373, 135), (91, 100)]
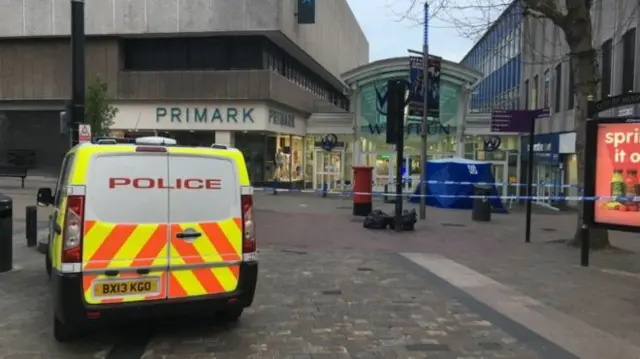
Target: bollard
[(32, 226), (275, 187), (6, 233), (325, 190)]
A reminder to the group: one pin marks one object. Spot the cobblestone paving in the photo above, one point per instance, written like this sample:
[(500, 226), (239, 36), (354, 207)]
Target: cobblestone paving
[(25, 322), (604, 296), (340, 305)]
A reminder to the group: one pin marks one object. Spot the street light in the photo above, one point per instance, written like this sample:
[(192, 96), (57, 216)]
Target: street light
[(425, 109)]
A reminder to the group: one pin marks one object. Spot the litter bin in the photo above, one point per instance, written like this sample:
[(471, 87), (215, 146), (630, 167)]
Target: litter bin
[(481, 210), (6, 233)]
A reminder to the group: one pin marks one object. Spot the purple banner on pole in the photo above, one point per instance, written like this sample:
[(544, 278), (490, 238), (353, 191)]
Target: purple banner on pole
[(518, 121)]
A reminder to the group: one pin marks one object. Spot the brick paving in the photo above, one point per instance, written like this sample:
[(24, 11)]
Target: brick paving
[(373, 308), (605, 295), (343, 304)]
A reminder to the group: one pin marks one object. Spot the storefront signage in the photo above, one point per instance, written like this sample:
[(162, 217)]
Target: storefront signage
[(545, 147), (492, 143), (205, 114), (282, 119), (617, 164), (329, 142), (433, 128)]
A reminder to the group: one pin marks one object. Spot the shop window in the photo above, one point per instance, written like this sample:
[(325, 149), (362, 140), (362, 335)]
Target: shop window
[(571, 87), (605, 84), (534, 93), (558, 88), (288, 158), (526, 94), (547, 88), (628, 60)]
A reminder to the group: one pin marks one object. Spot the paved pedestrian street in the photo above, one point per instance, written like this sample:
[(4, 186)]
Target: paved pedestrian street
[(341, 305), (327, 288), (308, 305)]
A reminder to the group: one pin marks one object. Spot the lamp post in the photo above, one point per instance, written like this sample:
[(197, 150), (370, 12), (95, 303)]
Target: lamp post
[(76, 112), (425, 109)]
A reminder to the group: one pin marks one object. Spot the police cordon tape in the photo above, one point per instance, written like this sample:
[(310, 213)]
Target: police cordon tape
[(391, 195), (500, 184), (503, 184)]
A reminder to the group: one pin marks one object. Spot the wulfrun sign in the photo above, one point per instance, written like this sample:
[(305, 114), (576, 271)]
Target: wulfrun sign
[(411, 128)]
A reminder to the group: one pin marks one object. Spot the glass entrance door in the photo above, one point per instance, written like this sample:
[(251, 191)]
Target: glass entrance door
[(499, 177), (548, 181), (328, 168)]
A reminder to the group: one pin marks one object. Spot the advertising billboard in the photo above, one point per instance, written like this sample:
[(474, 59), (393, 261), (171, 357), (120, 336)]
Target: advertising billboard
[(615, 173)]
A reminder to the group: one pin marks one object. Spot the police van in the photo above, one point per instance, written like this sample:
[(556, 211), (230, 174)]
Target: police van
[(148, 228)]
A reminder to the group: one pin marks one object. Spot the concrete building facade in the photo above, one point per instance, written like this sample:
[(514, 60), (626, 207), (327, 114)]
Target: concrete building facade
[(172, 55), (547, 82)]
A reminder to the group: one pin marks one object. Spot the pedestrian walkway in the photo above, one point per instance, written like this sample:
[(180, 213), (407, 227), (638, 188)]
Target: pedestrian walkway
[(603, 296), (328, 288)]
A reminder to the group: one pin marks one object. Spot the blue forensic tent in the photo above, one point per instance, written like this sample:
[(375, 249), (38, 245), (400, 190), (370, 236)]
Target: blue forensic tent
[(457, 170)]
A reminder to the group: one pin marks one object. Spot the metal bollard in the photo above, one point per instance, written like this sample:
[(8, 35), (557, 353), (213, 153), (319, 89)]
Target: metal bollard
[(32, 226), (6, 233), (325, 190)]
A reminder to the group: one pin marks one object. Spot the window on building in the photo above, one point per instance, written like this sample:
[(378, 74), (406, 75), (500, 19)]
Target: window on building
[(628, 60), (605, 84), (558, 88), (526, 94), (225, 53), (547, 89), (571, 86), (534, 93)]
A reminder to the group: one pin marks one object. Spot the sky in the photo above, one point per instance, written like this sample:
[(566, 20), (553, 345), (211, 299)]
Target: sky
[(390, 35)]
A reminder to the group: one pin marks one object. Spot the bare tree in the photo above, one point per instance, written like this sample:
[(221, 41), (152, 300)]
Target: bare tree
[(574, 20)]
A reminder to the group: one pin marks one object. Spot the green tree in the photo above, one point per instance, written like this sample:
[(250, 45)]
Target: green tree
[(98, 112), (574, 20)]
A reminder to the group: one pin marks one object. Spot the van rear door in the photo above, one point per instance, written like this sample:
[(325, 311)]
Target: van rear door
[(125, 247), (205, 223)]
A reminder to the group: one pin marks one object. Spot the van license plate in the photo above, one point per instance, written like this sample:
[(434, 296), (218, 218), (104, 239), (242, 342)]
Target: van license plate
[(126, 287)]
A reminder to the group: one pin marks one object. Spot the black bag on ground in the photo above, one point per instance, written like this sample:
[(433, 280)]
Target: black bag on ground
[(409, 219), (376, 220)]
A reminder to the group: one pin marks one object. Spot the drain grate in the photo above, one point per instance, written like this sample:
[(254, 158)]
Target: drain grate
[(428, 348), (549, 229), (452, 225), (364, 269), (332, 292)]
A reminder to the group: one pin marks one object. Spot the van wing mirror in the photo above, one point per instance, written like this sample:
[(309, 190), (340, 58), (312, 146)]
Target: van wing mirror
[(45, 197)]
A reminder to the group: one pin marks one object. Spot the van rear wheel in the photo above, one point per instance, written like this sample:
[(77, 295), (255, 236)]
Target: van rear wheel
[(63, 332)]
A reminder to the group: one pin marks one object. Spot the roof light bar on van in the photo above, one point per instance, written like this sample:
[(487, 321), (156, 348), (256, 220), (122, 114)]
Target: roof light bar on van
[(156, 140)]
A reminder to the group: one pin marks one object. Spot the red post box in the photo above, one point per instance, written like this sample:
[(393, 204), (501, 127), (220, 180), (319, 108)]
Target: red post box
[(362, 188)]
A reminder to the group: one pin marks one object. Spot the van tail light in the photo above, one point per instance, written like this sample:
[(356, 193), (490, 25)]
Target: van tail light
[(73, 230), (248, 225)]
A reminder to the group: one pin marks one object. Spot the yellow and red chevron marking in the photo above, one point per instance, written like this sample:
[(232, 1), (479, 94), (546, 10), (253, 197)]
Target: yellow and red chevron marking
[(221, 241), (117, 246)]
